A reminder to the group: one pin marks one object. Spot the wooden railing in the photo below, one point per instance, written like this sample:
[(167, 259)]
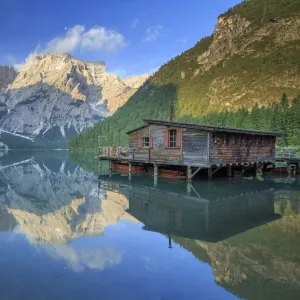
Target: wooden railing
[(285, 153), (116, 152)]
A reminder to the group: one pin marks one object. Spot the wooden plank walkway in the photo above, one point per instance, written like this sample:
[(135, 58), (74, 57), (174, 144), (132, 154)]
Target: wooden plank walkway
[(287, 155)]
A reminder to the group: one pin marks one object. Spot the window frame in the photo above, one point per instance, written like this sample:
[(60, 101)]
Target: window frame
[(223, 139), (172, 144), (214, 138), (146, 144)]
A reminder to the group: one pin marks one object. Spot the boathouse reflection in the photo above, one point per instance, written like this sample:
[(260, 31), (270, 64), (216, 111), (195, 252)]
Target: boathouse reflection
[(208, 211)]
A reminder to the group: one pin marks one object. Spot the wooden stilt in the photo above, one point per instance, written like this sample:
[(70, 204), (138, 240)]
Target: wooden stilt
[(216, 170), (229, 171), (210, 173), (189, 173), (265, 168), (170, 242), (155, 174), (297, 167), (189, 188), (110, 168), (100, 166), (195, 173)]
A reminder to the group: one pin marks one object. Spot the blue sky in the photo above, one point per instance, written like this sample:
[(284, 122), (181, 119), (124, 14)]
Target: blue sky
[(132, 36)]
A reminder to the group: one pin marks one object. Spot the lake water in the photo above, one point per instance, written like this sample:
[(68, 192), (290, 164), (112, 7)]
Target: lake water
[(67, 234)]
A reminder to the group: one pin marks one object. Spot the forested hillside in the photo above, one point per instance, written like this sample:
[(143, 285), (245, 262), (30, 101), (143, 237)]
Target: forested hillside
[(236, 76)]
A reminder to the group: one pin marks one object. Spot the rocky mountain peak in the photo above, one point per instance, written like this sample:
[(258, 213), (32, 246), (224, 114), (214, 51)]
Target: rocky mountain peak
[(58, 95), (135, 81), (227, 30)]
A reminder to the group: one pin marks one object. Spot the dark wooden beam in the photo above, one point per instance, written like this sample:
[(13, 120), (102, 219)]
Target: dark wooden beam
[(196, 172), (216, 170)]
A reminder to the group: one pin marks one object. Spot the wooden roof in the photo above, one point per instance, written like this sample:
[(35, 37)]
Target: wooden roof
[(203, 127)]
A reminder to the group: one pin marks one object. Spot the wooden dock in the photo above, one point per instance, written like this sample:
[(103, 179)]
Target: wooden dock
[(290, 161)]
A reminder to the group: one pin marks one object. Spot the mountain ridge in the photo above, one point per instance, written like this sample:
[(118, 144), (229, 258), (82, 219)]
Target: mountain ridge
[(55, 96)]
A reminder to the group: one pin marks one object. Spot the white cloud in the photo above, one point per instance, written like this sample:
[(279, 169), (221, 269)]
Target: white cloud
[(79, 260), (18, 66), (135, 23), (182, 41), (153, 33), (79, 38), (99, 38), (67, 43)]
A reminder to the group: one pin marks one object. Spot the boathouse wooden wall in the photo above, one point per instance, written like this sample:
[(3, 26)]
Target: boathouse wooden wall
[(159, 153), (135, 137), (224, 148), (194, 147), (227, 148)]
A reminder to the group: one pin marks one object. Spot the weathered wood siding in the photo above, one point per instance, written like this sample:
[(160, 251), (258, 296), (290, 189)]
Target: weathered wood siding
[(249, 149), (159, 153), (135, 136), (225, 148), (195, 147), (143, 153)]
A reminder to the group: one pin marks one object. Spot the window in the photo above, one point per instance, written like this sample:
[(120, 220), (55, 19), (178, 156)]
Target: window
[(145, 142), (172, 138), (214, 139), (223, 139), (239, 139)]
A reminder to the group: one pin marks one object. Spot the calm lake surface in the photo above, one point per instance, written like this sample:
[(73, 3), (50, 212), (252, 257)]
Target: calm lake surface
[(67, 234)]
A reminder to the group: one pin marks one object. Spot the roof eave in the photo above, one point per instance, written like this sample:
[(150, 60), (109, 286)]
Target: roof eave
[(136, 129), (211, 128)]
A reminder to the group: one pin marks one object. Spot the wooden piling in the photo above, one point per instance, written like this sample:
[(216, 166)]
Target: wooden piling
[(210, 173), (110, 168), (189, 188), (229, 171), (129, 171), (155, 174), (189, 173)]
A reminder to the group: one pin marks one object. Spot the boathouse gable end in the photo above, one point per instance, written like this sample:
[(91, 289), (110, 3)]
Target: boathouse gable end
[(136, 141)]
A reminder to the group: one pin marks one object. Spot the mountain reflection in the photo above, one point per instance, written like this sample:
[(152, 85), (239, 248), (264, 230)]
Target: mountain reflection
[(53, 201)]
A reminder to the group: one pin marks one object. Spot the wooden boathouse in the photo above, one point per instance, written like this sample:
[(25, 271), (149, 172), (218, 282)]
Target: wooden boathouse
[(189, 148)]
